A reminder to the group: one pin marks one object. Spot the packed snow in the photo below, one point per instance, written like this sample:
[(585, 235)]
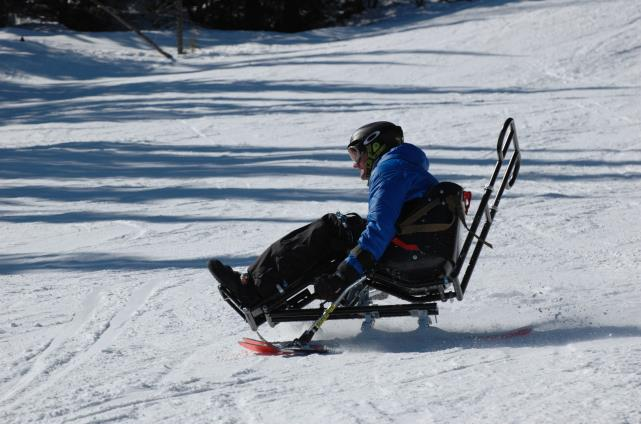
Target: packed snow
[(122, 173)]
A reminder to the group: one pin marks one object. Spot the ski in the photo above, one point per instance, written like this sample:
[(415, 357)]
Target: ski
[(265, 348)]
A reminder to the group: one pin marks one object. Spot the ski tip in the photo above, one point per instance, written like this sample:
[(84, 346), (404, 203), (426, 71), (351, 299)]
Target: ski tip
[(262, 347)]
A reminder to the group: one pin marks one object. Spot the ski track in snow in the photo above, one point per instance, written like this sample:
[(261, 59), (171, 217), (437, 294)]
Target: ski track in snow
[(121, 174), (41, 365), (53, 368)]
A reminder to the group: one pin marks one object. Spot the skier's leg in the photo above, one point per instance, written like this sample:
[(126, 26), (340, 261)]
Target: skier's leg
[(305, 250)]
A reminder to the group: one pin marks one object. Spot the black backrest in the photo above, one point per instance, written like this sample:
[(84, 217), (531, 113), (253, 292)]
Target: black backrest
[(432, 222), (427, 243)]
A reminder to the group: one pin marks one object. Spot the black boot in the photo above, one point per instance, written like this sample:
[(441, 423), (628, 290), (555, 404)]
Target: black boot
[(242, 289)]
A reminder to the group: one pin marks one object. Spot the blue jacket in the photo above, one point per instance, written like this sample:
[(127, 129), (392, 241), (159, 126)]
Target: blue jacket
[(400, 175)]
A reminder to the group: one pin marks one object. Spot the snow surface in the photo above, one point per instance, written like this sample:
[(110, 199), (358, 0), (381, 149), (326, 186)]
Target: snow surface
[(122, 173)]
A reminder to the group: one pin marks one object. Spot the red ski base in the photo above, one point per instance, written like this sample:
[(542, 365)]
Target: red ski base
[(262, 347), (517, 332)]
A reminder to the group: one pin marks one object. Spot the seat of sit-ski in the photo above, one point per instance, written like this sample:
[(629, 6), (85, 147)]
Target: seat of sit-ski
[(427, 244)]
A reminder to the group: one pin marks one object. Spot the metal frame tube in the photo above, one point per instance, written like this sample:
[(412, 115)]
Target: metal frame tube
[(506, 139)]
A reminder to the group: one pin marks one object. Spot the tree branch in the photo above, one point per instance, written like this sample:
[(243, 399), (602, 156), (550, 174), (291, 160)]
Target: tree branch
[(117, 17)]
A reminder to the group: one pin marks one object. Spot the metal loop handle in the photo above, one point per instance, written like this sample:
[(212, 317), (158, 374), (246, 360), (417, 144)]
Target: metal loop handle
[(515, 171), (507, 138), (504, 142)]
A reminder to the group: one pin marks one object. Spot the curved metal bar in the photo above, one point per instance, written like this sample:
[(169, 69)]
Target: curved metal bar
[(506, 139)]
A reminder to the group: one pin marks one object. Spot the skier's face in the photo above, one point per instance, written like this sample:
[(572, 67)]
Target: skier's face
[(362, 160)]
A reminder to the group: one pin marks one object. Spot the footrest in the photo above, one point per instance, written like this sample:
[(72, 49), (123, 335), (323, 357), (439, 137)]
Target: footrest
[(253, 317)]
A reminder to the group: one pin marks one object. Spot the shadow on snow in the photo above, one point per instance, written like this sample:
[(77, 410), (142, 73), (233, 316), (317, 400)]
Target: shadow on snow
[(146, 100), (88, 262), (29, 55), (72, 99), (84, 161), (78, 217), (435, 339), (121, 194)]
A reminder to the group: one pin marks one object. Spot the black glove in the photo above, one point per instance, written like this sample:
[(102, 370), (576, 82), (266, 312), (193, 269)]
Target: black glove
[(330, 286)]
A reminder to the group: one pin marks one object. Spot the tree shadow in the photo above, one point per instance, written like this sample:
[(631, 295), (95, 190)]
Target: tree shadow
[(141, 160), (62, 64), (390, 18), (82, 102), (90, 262), (28, 57), (145, 160), (134, 101), (124, 194), (79, 217), (469, 148), (104, 160)]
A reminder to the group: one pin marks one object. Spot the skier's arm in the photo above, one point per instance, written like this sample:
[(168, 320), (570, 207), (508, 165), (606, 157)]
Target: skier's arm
[(388, 191)]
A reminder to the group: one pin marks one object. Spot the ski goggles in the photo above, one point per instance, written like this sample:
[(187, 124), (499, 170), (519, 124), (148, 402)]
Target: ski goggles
[(355, 153)]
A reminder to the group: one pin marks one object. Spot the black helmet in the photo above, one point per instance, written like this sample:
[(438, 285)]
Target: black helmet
[(376, 139)]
